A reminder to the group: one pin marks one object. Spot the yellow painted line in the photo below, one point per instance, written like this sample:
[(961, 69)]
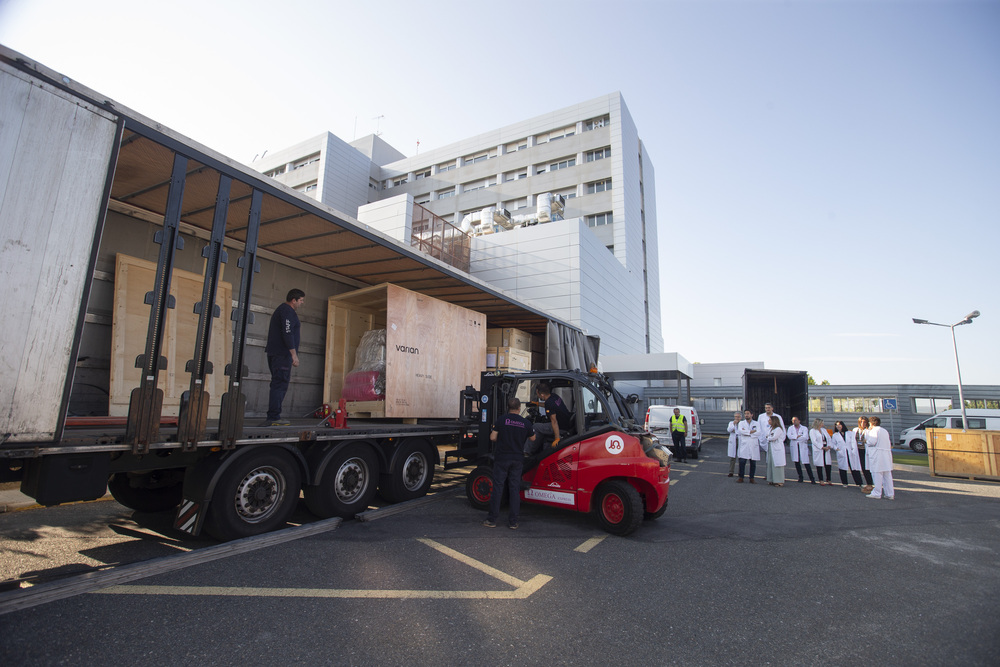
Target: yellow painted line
[(590, 544), (473, 563), (522, 589), (673, 481), (684, 473), (520, 593)]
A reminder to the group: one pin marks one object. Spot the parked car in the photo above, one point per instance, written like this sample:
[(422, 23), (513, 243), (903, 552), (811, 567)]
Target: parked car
[(916, 439), (658, 423)]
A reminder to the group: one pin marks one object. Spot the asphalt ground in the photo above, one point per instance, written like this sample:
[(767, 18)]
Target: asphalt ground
[(731, 574)]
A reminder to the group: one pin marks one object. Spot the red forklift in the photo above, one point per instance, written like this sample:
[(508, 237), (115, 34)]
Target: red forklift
[(606, 464)]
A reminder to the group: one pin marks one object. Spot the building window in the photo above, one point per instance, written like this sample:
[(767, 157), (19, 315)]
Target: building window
[(373, 184), (931, 406), (306, 187), (568, 193), (444, 194), (983, 404), (448, 166), (515, 146), (275, 172), (817, 404), (304, 161), (479, 185), (595, 123), (599, 219), (716, 382), (599, 154), (557, 165), (717, 404), (517, 174), (426, 173), (422, 199), (862, 404), (598, 186), (516, 204), (556, 135), (478, 157), (396, 182)]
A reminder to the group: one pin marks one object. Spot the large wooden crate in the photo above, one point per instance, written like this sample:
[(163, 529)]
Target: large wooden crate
[(973, 454), (434, 349), (133, 278)]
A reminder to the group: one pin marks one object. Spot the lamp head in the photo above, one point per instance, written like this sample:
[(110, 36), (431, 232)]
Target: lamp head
[(971, 316), (916, 321)]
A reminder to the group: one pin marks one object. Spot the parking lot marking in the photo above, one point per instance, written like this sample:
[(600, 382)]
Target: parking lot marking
[(522, 589), (590, 544), (673, 481)]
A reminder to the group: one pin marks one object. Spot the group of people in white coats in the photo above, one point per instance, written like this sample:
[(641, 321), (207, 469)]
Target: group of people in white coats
[(866, 451)]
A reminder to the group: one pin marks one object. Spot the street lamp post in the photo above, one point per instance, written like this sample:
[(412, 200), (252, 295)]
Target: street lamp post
[(966, 320)]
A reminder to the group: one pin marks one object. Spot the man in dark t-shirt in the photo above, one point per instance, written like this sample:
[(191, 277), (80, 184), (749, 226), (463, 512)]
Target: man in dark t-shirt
[(282, 353), (559, 420), (509, 434)]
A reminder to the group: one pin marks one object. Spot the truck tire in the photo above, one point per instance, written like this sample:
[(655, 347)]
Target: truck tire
[(479, 487), (618, 507), (256, 494), (919, 446), (154, 491), (348, 483), (411, 474)]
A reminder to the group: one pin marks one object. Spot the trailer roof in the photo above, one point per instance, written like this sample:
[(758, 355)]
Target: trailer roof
[(292, 225)]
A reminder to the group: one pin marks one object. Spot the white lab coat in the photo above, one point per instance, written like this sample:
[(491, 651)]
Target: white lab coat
[(734, 440), (859, 442), (798, 444), (776, 447), (847, 451), (764, 427), (819, 439), (879, 448), (749, 447)]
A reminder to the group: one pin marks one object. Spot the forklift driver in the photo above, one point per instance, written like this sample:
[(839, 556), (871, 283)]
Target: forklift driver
[(560, 422)]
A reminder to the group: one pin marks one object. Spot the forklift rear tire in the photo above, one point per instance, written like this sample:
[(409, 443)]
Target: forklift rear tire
[(618, 507), (652, 516), (479, 487)]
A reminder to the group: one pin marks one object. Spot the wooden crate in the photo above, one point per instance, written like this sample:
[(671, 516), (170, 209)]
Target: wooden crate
[(511, 359), (509, 337), (133, 278), (434, 349), (973, 454)]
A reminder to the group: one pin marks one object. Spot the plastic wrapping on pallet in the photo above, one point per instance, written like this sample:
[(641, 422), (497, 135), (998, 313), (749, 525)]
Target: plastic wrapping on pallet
[(366, 382)]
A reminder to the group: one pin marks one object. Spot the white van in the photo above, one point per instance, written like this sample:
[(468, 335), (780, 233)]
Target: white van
[(916, 439), (658, 423)]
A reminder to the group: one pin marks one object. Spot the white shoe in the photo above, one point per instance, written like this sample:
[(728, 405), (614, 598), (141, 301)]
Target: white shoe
[(890, 497), (873, 496)]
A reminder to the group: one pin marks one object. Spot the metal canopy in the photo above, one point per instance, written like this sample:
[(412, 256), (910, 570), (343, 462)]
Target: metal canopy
[(296, 227)]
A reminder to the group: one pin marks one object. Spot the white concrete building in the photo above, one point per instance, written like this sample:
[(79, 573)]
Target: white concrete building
[(596, 268)]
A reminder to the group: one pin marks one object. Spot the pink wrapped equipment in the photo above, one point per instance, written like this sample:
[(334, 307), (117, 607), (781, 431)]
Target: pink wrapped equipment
[(361, 386)]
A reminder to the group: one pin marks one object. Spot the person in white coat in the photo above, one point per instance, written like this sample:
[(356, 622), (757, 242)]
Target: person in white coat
[(879, 446), (734, 441), (798, 443), (776, 453), (847, 454), (764, 424), (821, 452), (861, 441), (749, 447)]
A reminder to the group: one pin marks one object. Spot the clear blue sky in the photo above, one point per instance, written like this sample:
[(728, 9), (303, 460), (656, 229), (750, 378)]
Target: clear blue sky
[(825, 171)]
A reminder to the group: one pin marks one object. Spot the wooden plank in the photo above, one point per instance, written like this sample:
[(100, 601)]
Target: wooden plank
[(55, 154), (133, 278)]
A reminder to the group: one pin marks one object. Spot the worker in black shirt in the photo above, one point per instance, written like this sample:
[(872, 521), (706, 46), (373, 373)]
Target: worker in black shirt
[(509, 435), (559, 419), (282, 353)]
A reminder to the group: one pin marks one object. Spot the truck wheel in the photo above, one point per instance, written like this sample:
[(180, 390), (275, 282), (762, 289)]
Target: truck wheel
[(919, 446), (347, 485), (652, 516), (479, 487), (154, 491), (411, 475), (618, 507), (254, 495)]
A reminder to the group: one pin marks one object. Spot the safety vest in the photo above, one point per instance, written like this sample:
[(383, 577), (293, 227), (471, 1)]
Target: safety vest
[(677, 423)]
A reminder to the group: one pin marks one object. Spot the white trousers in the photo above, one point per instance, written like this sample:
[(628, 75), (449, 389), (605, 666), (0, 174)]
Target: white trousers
[(883, 484)]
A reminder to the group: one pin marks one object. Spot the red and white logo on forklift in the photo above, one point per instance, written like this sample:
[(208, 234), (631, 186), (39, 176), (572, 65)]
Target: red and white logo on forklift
[(614, 444)]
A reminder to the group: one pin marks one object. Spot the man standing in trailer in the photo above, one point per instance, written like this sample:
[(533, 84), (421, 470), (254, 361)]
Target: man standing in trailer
[(282, 353)]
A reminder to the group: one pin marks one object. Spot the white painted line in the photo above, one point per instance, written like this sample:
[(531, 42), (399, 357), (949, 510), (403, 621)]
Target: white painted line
[(590, 544)]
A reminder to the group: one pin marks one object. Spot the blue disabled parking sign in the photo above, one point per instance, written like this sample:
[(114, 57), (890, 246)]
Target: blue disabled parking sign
[(889, 404)]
